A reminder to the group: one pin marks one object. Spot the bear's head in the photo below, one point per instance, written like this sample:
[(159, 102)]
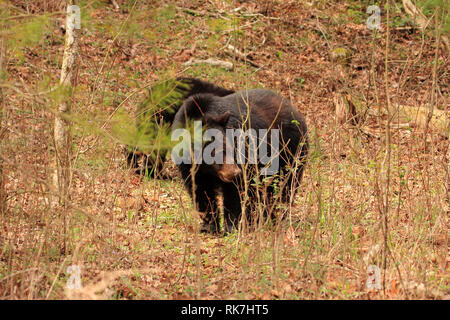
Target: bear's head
[(217, 152), (227, 169)]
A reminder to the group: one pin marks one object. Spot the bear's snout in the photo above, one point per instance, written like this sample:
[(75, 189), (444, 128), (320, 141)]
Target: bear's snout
[(228, 172)]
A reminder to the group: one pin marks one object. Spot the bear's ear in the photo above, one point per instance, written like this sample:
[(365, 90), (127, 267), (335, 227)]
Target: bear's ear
[(220, 119), (223, 118)]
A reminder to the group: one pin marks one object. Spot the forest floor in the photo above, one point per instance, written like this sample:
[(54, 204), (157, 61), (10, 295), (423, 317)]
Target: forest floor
[(362, 201)]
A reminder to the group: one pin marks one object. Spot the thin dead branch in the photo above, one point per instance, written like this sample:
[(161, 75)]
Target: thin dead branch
[(241, 56), (211, 61)]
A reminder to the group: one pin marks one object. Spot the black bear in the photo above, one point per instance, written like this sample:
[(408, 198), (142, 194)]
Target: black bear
[(157, 111), (256, 120)]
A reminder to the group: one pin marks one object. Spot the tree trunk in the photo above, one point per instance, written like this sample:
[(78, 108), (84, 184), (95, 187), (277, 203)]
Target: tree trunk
[(3, 130), (62, 135)]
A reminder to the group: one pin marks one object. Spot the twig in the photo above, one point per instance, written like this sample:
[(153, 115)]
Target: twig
[(114, 3), (242, 56), (214, 62), (200, 13)]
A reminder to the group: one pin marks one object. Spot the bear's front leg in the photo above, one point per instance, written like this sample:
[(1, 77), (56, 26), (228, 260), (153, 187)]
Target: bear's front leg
[(205, 197), (232, 207), (206, 203)]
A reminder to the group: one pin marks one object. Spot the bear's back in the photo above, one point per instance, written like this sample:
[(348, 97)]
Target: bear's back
[(265, 105)]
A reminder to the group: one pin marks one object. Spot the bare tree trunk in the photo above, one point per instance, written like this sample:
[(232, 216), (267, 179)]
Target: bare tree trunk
[(3, 130), (62, 126), (62, 136)]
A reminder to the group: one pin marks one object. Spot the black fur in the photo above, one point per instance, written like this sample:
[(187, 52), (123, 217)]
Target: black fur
[(257, 109), (183, 88), (189, 87)]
